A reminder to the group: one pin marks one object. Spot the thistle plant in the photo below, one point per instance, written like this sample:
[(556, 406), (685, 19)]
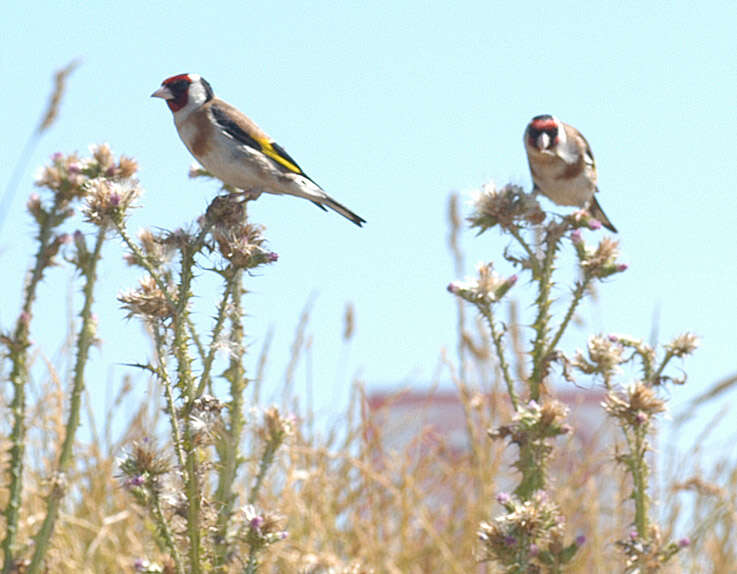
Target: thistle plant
[(191, 495), (634, 408), (106, 187), (529, 535)]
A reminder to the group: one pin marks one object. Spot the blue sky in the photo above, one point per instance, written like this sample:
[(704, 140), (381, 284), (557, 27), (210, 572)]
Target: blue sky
[(390, 107)]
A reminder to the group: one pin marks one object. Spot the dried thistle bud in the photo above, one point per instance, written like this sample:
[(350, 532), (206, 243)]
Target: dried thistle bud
[(508, 207), (683, 345), (604, 357), (277, 427), (531, 528), (148, 301), (108, 201), (636, 407), (488, 288), (602, 262)]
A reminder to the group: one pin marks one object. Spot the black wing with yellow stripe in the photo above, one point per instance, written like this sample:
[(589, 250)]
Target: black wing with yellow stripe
[(269, 148)]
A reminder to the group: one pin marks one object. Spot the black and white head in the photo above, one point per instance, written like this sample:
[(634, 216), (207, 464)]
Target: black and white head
[(545, 133), (184, 93)]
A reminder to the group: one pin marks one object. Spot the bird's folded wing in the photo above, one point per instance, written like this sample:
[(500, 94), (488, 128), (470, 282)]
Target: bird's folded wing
[(246, 132)]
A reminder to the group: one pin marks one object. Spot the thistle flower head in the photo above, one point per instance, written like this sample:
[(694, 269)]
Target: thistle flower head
[(601, 262), (605, 354), (536, 523), (636, 406), (683, 345), (507, 207), (148, 300), (108, 201), (487, 288)]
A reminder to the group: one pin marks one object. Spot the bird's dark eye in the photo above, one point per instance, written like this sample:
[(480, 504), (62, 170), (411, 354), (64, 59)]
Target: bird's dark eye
[(178, 87)]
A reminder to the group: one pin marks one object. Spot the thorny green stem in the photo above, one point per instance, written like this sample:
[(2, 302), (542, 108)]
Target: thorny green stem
[(544, 278), (252, 564), (193, 497), (170, 404), (143, 260), (184, 383), (638, 467), (499, 346), (85, 339), (267, 460), (654, 378), (165, 532), (532, 257), (578, 294), (216, 330), (225, 497), (18, 378)]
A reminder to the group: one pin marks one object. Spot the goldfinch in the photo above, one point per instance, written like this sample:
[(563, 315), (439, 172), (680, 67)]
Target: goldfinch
[(562, 165), (234, 149)]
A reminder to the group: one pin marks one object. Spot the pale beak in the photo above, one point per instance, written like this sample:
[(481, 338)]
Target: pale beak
[(163, 92), (543, 141)]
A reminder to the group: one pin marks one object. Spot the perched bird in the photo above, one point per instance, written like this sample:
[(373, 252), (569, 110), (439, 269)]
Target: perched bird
[(562, 165), (234, 149)]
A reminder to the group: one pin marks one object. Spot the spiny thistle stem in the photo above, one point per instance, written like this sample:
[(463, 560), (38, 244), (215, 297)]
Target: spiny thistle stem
[(85, 339), (496, 336), (165, 532), (225, 497), (266, 461), (19, 378), (654, 378), (193, 496), (532, 257), (578, 293), (170, 404), (542, 320), (144, 261), (638, 466), (216, 330)]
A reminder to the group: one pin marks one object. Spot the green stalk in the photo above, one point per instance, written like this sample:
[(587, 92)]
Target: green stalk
[(193, 508), (540, 325), (216, 330), (85, 339), (165, 531), (19, 378), (578, 294), (169, 396), (496, 336), (639, 479), (224, 496)]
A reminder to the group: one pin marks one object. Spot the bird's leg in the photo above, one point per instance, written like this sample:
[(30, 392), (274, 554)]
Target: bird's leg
[(250, 194)]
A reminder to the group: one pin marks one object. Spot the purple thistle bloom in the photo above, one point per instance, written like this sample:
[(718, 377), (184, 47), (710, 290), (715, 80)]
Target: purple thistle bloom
[(577, 237), (622, 267), (510, 541), (580, 540), (594, 224), (503, 498), (256, 522), (683, 542)]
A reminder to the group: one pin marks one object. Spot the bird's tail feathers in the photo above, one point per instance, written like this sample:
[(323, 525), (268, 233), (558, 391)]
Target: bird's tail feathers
[(598, 213), (343, 210)]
